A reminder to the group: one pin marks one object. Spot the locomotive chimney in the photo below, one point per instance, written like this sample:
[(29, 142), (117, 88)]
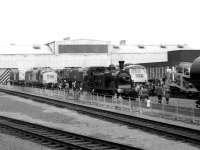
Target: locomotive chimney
[(121, 65)]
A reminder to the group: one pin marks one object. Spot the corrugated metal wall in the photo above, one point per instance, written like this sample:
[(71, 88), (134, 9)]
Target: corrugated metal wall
[(76, 59), (55, 61), (136, 58)]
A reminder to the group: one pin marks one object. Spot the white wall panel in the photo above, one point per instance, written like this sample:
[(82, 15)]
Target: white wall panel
[(138, 57), (54, 61), (84, 60)]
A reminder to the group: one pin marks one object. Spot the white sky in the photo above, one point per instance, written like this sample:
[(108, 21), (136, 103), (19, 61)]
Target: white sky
[(137, 21)]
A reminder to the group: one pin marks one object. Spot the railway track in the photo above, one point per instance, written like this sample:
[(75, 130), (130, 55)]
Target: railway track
[(56, 139), (173, 131)]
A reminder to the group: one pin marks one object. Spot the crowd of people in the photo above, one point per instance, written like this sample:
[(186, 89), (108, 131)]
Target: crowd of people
[(144, 90), (161, 91)]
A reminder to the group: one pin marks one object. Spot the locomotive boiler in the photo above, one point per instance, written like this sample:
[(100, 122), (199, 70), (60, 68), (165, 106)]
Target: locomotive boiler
[(195, 73)]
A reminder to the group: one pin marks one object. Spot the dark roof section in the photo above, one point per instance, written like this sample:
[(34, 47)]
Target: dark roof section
[(175, 57), (99, 48), (153, 64)]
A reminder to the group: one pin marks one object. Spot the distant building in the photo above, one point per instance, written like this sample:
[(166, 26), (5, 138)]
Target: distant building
[(57, 54), (157, 70), (80, 52), (142, 53), (84, 53)]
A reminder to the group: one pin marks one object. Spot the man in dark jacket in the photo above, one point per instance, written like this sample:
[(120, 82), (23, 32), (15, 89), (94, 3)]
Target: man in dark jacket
[(166, 93), (159, 93)]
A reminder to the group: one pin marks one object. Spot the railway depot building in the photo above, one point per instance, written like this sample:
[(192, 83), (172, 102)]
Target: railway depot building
[(76, 53), (87, 52), (157, 70)]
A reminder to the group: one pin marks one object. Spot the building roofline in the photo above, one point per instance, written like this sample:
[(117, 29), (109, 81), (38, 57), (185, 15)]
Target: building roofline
[(83, 39)]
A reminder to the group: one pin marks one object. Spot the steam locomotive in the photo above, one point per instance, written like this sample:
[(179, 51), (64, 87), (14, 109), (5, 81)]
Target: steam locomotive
[(100, 80), (110, 81)]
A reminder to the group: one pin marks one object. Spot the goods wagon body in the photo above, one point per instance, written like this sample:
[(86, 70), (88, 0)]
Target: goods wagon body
[(71, 74), (17, 77), (31, 77), (42, 77)]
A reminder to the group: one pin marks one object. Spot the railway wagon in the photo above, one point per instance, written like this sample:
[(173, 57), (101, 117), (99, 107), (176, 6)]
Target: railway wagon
[(41, 77), (17, 77), (63, 74), (30, 77), (70, 75)]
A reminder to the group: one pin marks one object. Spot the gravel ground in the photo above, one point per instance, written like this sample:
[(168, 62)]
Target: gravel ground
[(68, 120)]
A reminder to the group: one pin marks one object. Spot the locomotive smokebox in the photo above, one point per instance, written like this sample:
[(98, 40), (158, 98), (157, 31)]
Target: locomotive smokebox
[(121, 65)]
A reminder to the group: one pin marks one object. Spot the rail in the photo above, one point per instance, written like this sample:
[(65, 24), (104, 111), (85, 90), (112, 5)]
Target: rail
[(56, 139), (186, 114), (180, 132)]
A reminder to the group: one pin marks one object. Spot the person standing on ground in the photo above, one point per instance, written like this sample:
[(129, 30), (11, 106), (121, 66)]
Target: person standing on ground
[(166, 93), (159, 93), (144, 93), (67, 87)]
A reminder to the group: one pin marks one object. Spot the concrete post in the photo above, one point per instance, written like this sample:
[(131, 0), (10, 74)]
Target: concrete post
[(129, 100), (193, 115), (97, 96), (163, 108), (140, 109), (177, 111)]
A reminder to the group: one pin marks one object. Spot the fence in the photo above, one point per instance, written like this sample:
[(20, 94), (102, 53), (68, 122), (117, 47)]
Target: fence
[(186, 114)]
